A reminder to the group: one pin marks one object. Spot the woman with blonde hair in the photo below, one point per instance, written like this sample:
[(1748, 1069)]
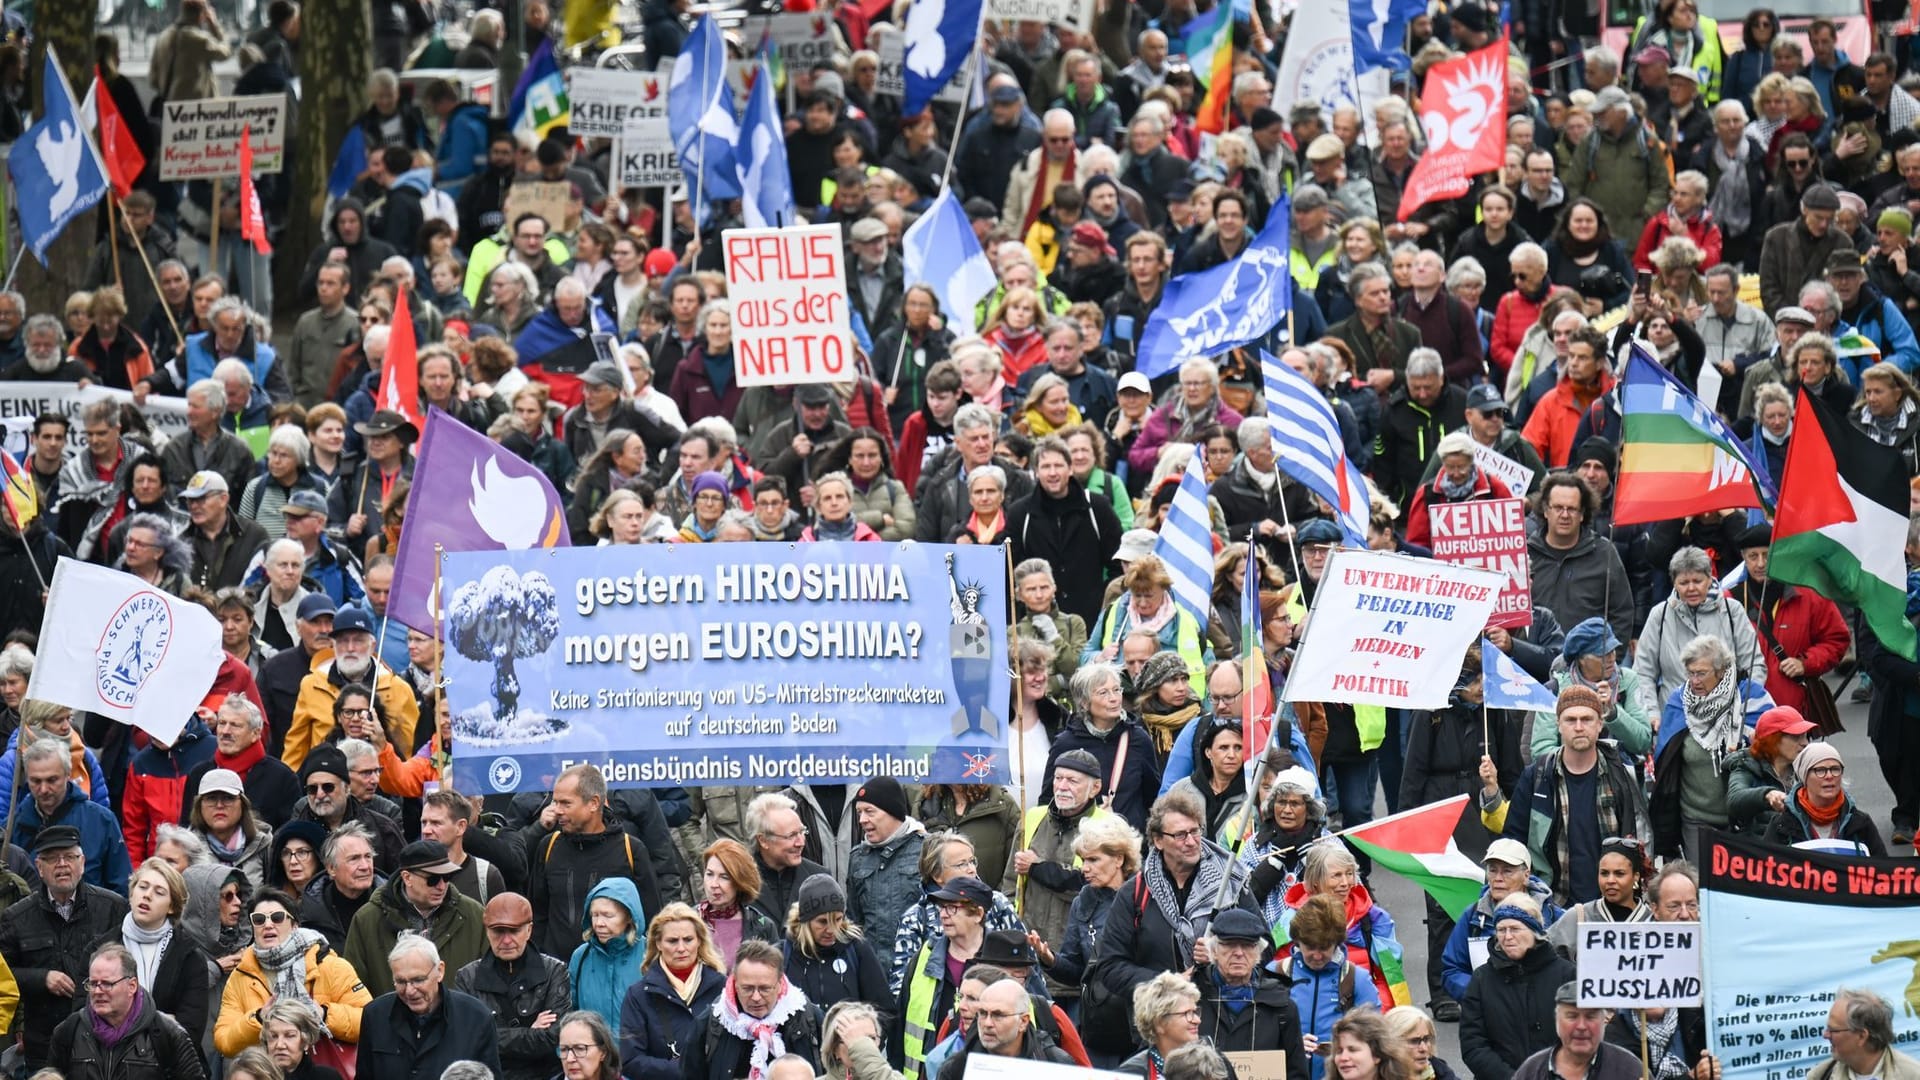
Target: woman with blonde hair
[(1014, 331), (289, 1030), (1166, 1014), (173, 969), (1412, 1025), (1888, 411), (1049, 405), (828, 956), (1769, 112), (681, 978), (853, 1043), (1147, 604)]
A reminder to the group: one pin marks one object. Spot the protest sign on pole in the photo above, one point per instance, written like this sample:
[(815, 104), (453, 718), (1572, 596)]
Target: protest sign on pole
[(789, 292), (1518, 477), (200, 140), (728, 664), (1390, 630), (602, 100), (804, 40), (1650, 965), (549, 200), (1489, 533), (1785, 928), (1065, 12)]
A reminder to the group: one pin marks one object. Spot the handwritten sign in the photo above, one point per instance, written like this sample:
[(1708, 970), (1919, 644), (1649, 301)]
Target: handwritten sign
[(549, 200), (200, 140), (1075, 13), (1519, 478), (603, 100), (789, 293), (1390, 630), (1639, 965), (1490, 533), (1258, 1064)]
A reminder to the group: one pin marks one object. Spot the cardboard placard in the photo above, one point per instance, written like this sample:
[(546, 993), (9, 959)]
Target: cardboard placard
[(1258, 1064), (789, 293), (200, 140), (604, 100), (547, 199), (1639, 965)]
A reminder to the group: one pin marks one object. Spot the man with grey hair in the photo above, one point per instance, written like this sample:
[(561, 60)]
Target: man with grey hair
[(1028, 189), (1860, 1033), (1381, 342), (283, 569), (1614, 167), (206, 446), (44, 357), (1446, 324), (232, 333), (152, 553), (55, 799), (424, 1026), (13, 311), (943, 487), (1736, 333), (1096, 117), (239, 733), (346, 885), (1418, 415), (1255, 499), (1796, 252), (779, 841)]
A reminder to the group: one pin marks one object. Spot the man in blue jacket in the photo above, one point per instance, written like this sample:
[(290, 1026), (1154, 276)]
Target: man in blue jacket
[(1873, 316), (57, 800), (463, 136)]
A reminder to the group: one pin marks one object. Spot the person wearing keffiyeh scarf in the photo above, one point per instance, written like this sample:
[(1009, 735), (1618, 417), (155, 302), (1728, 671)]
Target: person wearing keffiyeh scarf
[(1676, 1042), (759, 1017), (1705, 722)]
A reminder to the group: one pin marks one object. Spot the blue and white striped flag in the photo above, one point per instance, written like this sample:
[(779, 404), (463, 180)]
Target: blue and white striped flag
[(1186, 542), (1307, 446)]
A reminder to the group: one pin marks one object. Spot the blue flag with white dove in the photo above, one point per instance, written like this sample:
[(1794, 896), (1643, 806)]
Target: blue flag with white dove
[(1507, 685), (940, 35), (940, 250), (1380, 33), (700, 111), (1203, 314), (57, 176), (760, 158)]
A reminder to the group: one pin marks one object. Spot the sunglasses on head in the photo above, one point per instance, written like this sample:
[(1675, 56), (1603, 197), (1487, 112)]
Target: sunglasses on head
[(322, 789)]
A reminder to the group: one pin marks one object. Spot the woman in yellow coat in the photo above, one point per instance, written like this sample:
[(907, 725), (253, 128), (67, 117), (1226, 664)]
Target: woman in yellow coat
[(286, 961)]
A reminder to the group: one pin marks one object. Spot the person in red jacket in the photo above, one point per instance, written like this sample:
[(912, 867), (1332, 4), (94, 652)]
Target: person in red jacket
[(1554, 421), (156, 783), (1802, 633), (929, 430), (1687, 215), (1459, 480)]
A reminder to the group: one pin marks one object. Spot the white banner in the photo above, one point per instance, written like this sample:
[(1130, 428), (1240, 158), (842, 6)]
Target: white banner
[(1390, 630), (644, 156), (805, 41), (1639, 965), (1517, 477), (200, 140), (114, 645), (20, 402), (605, 100), (789, 292)]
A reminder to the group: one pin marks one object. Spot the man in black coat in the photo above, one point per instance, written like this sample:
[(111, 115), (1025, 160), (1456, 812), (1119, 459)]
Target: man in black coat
[(422, 1027), (527, 990), (1005, 1028), (1061, 523), (572, 845), (1255, 499), (943, 487), (153, 1047), (757, 993), (779, 847), (239, 731), (48, 951), (1270, 1021)]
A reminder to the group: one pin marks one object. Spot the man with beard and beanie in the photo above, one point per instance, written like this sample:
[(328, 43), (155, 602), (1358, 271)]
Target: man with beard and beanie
[(45, 938), (759, 1018), (353, 662), (329, 802), (1044, 873), (883, 870), (527, 990), (417, 900)]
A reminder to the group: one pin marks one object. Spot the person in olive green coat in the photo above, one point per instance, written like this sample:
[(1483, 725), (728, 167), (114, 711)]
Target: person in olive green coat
[(421, 890)]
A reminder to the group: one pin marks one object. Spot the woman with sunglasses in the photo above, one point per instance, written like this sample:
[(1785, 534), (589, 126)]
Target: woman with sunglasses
[(1747, 67), (286, 960), (1819, 808)]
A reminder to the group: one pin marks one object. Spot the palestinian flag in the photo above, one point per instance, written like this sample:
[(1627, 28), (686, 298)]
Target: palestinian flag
[(1841, 529), (1418, 845)]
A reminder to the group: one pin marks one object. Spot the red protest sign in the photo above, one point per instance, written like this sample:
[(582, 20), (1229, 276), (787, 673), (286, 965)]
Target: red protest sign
[(788, 287), (1464, 113), (1490, 533)]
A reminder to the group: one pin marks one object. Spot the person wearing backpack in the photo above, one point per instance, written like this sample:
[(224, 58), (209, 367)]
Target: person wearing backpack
[(1324, 983)]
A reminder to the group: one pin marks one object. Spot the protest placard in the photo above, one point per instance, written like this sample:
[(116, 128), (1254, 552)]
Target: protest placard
[(1390, 630), (804, 41), (549, 200), (1073, 13), (1639, 965), (1785, 929), (200, 140), (982, 1066), (891, 47), (1518, 478), (1490, 533), (644, 156), (789, 292), (728, 664), (603, 100), (20, 402), (1258, 1064)]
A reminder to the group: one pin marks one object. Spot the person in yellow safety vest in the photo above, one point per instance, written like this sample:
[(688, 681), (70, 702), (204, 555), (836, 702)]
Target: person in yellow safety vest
[(1045, 870), (930, 990), (1690, 38), (1314, 246)]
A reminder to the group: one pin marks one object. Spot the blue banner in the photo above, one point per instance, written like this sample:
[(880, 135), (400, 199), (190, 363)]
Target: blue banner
[(728, 664)]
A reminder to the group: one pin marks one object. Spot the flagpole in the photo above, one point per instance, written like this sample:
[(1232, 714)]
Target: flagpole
[(113, 239), (151, 276), (1019, 720), (706, 101), (15, 268), (960, 121), (213, 243)]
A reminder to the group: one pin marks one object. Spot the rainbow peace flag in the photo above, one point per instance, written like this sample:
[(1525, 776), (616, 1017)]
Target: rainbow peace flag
[(1210, 52), (1677, 458), (22, 498)]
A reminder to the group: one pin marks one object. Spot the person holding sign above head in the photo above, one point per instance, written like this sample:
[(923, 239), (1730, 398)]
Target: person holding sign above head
[(1860, 1031), (1819, 808), (1579, 1048)]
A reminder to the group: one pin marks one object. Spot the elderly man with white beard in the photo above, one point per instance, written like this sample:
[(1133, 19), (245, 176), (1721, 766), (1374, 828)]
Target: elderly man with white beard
[(353, 662)]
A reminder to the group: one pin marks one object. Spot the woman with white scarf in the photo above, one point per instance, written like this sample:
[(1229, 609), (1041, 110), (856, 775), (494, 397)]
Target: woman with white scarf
[(172, 965), (1706, 721)]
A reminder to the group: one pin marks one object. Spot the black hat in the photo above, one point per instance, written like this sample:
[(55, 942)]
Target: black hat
[(1239, 924), (1597, 449), (427, 857), (1845, 261), (819, 895), (388, 422), (1567, 994), (1317, 531), (1080, 761), (1755, 536), (1006, 948), (326, 759), (979, 209), (1470, 17), (1486, 398), (56, 838), (964, 889), (884, 794), (813, 393), (1264, 117)]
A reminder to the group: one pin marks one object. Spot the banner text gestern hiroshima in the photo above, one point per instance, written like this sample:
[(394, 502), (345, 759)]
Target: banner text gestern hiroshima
[(729, 664)]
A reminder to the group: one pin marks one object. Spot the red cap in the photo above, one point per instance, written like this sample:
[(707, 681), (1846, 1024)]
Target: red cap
[(660, 262), (1089, 235), (1781, 720)]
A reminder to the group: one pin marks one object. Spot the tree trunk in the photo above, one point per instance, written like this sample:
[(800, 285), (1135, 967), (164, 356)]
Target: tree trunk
[(334, 65), (69, 29)]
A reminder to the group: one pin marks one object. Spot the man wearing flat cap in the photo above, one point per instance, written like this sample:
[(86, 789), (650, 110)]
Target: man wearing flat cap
[(47, 938), (1796, 252), (1043, 867), (790, 448), (875, 277), (527, 990)]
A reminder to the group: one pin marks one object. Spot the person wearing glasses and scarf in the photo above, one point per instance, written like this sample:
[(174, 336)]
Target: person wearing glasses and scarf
[(1705, 723), (287, 960), (1819, 807)]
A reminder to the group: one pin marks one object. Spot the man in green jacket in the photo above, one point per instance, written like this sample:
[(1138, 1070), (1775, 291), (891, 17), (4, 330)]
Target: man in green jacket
[(421, 899), (1619, 166)]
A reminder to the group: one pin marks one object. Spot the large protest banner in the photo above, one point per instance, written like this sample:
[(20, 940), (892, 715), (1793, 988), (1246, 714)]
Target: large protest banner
[(20, 402), (1489, 533), (789, 292), (1390, 630), (1785, 928), (200, 140), (728, 664)]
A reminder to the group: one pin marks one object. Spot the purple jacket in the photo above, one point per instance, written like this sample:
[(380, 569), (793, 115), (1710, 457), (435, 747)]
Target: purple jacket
[(1160, 427)]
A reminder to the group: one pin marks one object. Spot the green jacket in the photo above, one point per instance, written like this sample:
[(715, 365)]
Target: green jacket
[(1627, 176), (457, 930), (1628, 726)]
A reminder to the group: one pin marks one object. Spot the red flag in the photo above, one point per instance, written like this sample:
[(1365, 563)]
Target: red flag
[(400, 373), (253, 222), (1464, 113), (122, 155)]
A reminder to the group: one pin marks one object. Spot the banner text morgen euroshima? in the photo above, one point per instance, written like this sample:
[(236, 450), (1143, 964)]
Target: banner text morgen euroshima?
[(1785, 929), (728, 664)]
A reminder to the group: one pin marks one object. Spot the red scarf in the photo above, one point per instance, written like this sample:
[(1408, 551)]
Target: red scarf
[(242, 761), (1823, 818), (1042, 191)]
